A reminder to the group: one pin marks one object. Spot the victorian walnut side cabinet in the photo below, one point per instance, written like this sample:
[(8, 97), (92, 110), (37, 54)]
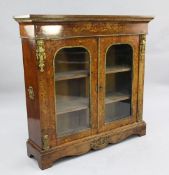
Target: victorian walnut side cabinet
[(83, 81)]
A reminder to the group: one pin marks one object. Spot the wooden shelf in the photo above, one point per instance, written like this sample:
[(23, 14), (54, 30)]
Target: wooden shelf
[(72, 62), (73, 53), (65, 104), (84, 73), (116, 97), (116, 69), (71, 75)]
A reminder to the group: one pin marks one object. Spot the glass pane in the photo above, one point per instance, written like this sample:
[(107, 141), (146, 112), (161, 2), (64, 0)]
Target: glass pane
[(119, 55), (118, 82), (73, 122), (117, 110), (72, 81)]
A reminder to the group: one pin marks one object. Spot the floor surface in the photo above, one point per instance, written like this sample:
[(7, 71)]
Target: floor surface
[(147, 155)]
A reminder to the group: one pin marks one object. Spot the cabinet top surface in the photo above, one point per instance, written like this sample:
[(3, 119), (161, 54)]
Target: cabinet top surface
[(75, 18)]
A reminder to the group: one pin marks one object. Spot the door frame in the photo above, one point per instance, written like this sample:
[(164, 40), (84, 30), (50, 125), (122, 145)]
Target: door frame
[(104, 44), (52, 47)]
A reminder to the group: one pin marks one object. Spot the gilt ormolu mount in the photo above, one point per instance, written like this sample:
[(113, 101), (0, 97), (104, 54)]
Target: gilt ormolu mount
[(84, 82)]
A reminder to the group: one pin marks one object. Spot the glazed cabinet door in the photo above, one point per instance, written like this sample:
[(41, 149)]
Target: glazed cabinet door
[(118, 77), (74, 82)]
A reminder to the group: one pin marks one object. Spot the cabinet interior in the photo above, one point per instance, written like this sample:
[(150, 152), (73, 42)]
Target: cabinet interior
[(72, 86), (118, 83)]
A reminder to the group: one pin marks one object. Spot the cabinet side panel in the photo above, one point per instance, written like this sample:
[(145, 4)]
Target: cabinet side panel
[(31, 90), (27, 30)]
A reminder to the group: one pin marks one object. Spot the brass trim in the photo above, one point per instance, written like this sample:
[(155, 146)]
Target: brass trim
[(142, 46), (40, 54), (45, 142), (31, 93)]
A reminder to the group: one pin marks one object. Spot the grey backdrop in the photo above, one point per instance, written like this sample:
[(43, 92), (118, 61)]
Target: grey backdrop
[(146, 155), (11, 71)]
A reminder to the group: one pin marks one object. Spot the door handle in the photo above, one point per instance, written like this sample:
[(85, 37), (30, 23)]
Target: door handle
[(100, 87)]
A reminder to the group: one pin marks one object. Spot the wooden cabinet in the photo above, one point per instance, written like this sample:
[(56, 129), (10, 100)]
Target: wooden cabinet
[(83, 82)]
